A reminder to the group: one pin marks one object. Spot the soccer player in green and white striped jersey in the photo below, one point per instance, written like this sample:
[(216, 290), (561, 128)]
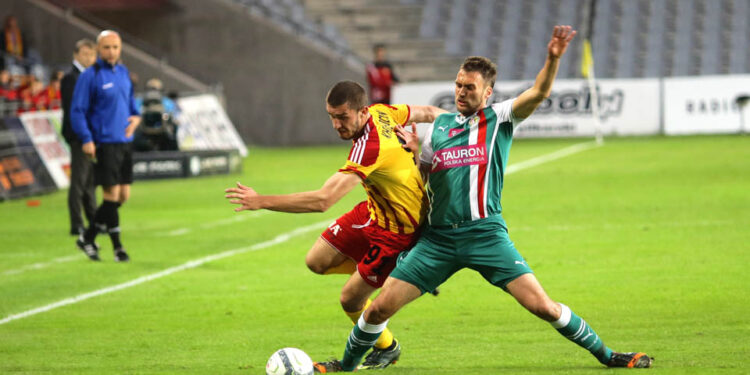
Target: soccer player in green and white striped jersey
[(464, 155)]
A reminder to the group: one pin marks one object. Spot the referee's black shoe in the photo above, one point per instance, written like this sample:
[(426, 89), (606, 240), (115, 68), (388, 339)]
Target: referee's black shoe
[(121, 255), (91, 249)]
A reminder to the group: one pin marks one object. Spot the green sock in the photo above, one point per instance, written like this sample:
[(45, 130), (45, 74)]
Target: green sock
[(575, 329), (362, 338)]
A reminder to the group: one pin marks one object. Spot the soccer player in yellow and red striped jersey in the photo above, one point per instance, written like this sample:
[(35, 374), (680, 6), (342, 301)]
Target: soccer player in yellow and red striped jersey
[(368, 238)]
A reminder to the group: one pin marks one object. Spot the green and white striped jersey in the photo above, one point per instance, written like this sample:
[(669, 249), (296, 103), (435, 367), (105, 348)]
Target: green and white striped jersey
[(468, 156)]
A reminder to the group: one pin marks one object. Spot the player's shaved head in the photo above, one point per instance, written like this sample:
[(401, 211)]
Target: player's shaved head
[(347, 92), (109, 46), (106, 33), (483, 66)]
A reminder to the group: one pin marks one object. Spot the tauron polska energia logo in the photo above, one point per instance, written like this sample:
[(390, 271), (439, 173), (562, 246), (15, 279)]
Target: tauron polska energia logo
[(459, 156)]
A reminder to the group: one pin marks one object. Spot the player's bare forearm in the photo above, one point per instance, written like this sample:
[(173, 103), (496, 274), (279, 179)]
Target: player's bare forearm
[(310, 201), (248, 199), (546, 77), (529, 100), (424, 113)]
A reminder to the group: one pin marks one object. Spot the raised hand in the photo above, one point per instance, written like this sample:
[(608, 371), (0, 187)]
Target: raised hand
[(244, 196), (561, 37)]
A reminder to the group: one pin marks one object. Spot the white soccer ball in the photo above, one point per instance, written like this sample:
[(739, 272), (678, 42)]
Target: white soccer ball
[(289, 361)]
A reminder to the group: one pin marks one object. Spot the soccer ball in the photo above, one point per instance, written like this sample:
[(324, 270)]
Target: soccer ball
[(289, 361)]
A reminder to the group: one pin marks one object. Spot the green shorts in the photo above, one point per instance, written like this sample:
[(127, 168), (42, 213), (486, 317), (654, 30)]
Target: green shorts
[(482, 245)]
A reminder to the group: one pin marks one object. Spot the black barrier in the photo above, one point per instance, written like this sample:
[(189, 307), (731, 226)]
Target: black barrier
[(183, 164)]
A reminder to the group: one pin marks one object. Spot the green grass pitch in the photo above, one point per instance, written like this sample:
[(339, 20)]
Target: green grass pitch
[(647, 238)]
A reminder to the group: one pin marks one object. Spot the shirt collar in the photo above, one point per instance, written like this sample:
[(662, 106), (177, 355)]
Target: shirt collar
[(78, 65), (461, 119), (366, 128), (105, 64)]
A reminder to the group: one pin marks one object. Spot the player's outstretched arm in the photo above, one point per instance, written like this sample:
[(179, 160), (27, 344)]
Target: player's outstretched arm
[(424, 113), (310, 201), (526, 103)]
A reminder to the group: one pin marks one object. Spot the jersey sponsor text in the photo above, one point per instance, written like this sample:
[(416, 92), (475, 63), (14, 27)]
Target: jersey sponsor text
[(459, 156)]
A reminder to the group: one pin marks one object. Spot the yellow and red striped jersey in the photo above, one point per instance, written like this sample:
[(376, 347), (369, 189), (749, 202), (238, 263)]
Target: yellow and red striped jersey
[(395, 192)]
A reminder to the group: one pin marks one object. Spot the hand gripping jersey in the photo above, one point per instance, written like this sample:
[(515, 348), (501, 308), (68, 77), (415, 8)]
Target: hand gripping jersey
[(395, 194), (468, 156)]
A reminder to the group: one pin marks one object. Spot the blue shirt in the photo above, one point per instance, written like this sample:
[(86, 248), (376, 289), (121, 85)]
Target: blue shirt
[(102, 102)]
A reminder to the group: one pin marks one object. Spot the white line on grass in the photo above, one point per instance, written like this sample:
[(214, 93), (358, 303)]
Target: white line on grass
[(188, 265), (213, 224), (40, 265), (533, 162), (175, 232)]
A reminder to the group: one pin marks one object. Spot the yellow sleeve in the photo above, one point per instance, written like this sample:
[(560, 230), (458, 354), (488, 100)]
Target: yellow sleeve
[(399, 112)]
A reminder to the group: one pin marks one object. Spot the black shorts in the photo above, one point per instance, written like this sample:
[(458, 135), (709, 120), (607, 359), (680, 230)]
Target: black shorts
[(114, 164)]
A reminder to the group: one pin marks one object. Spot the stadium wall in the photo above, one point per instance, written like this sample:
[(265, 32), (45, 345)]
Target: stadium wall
[(274, 82), (48, 30), (671, 106)]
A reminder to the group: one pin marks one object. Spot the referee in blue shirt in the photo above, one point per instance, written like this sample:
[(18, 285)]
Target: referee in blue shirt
[(104, 117)]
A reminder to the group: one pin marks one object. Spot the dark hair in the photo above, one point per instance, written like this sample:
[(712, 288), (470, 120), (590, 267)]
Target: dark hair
[(484, 66), (348, 92), (84, 43)]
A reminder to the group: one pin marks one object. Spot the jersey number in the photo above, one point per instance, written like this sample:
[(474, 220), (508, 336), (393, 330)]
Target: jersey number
[(372, 255)]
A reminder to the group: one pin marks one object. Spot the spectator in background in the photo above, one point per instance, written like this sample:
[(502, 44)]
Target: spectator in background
[(155, 94), (104, 117), (38, 96), (29, 94), (8, 94), (50, 97), (380, 76), (11, 41), (158, 131), (7, 91), (82, 190)]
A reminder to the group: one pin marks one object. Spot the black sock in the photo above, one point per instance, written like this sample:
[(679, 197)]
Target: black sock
[(113, 223), (100, 220)]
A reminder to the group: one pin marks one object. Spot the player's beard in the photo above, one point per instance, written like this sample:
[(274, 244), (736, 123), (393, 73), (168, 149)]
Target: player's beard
[(351, 134)]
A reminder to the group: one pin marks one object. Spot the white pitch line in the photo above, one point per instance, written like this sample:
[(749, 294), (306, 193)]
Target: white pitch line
[(178, 232), (570, 150), (40, 265), (188, 265), (175, 232), (234, 219)]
